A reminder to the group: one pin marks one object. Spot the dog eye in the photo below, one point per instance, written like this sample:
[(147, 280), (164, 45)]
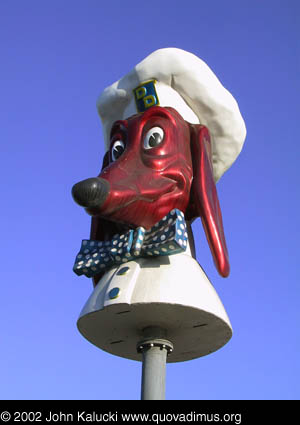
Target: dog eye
[(117, 149), (153, 137)]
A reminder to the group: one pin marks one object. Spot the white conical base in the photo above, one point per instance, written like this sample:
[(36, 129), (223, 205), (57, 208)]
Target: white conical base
[(170, 293)]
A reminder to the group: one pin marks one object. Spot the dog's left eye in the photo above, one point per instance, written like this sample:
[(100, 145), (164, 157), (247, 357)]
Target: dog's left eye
[(153, 137), (117, 149)]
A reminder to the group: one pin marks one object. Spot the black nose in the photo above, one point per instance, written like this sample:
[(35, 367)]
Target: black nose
[(91, 193)]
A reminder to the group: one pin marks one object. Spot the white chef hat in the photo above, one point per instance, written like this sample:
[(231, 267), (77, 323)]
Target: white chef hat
[(176, 78)]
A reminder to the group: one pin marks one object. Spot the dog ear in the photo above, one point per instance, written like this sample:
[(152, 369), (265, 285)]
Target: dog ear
[(101, 229), (205, 198), (105, 162)]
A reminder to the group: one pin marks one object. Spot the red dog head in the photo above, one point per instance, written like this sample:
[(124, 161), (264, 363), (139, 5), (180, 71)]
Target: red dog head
[(156, 162)]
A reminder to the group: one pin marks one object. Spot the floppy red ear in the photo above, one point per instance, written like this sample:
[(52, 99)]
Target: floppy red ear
[(205, 197), (102, 230)]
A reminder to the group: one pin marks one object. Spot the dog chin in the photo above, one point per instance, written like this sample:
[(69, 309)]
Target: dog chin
[(145, 212)]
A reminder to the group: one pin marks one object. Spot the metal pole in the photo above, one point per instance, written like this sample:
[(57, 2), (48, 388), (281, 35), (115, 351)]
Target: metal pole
[(154, 350)]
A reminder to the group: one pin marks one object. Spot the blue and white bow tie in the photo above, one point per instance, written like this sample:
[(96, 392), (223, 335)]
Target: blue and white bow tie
[(167, 237)]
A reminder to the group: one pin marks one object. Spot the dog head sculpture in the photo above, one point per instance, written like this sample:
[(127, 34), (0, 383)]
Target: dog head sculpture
[(156, 161)]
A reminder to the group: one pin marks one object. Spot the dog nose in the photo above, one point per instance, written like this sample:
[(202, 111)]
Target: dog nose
[(91, 193)]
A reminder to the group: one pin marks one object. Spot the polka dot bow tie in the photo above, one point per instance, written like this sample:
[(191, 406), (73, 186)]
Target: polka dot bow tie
[(167, 237)]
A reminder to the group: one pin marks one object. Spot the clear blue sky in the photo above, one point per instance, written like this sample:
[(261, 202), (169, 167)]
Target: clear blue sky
[(56, 58)]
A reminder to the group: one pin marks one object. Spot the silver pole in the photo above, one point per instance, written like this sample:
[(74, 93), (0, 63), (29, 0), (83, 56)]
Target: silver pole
[(154, 349)]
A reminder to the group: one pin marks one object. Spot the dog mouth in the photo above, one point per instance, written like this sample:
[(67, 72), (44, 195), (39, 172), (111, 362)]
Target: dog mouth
[(154, 193)]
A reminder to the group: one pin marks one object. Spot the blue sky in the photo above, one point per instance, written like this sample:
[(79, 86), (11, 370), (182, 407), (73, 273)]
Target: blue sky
[(56, 58)]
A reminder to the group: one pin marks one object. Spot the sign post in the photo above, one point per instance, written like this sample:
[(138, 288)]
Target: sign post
[(155, 350)]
